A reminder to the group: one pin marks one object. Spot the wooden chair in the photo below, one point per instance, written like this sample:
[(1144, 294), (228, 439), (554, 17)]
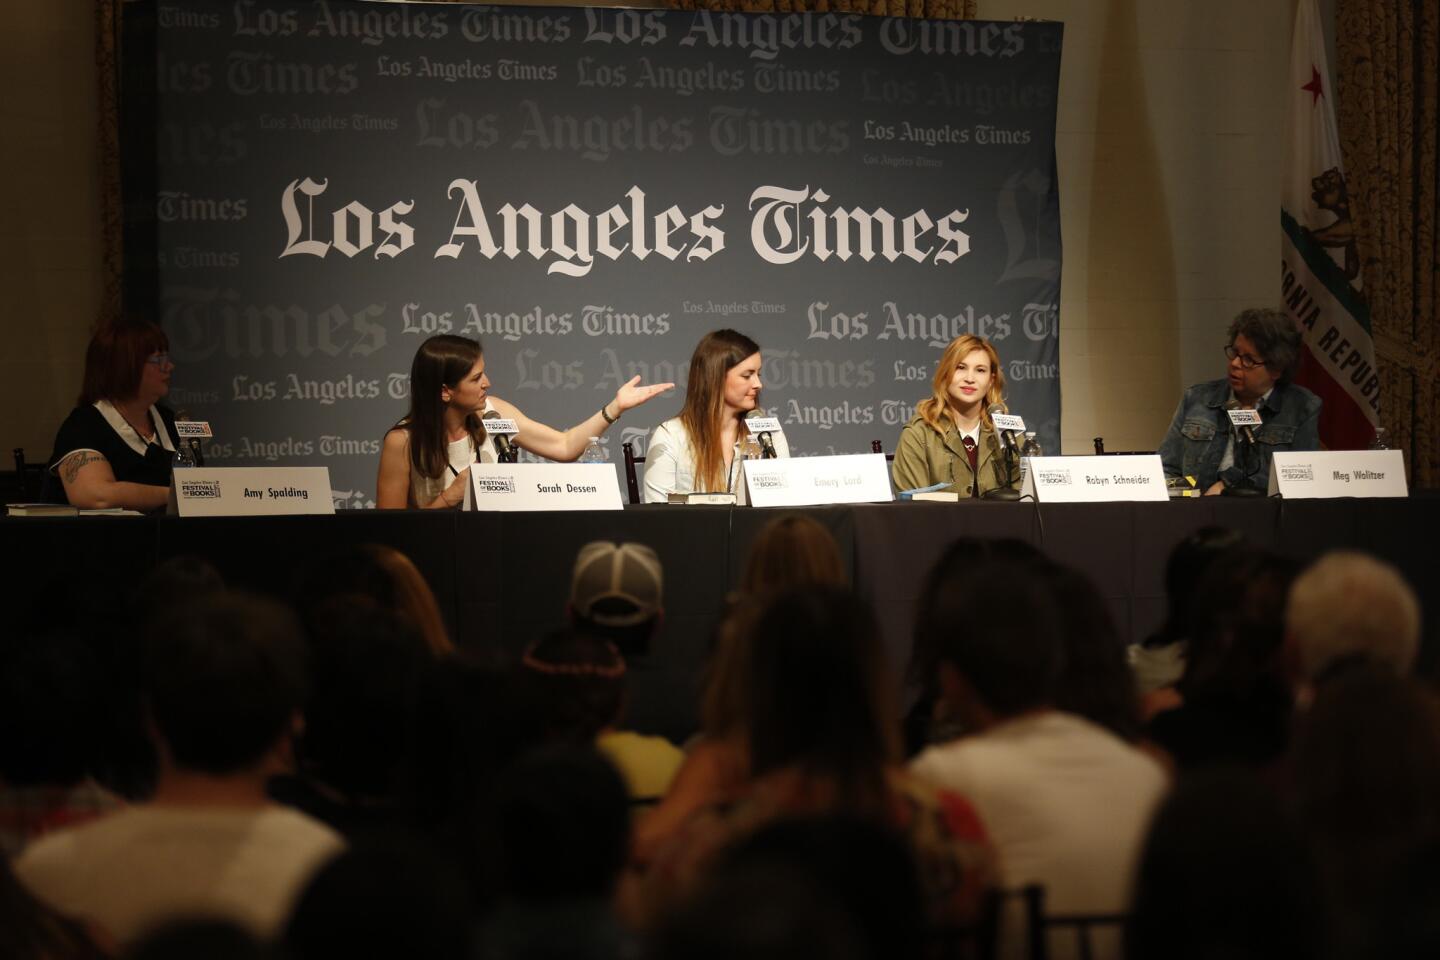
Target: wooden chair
[(1100, 450), (29, 480), (877, 447), (632, 484)]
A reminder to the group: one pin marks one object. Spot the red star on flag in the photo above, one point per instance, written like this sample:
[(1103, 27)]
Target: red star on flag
[(1316, 88)]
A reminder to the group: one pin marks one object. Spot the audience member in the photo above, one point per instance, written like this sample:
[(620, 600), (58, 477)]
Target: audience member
[(383, 898), (579, 690), (1065, 801), (617, 593), (385, 577), (52, 695), (1095, 678), (1350, 604), (1366, 767), (790, 551), (224, 682), (29, 930), (564, 828), (207, 939), (1235, 697), (822, 738), (1159, 661), (1224, 873), (365, 663)]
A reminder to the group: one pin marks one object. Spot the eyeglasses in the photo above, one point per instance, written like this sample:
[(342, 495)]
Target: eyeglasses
[(159, 359), (1246, 361)]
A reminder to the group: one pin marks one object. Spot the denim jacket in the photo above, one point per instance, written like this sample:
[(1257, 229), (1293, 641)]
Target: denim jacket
[(1195, 442)]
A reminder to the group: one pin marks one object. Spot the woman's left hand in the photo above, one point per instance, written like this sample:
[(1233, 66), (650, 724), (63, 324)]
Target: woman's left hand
[(633, 393)]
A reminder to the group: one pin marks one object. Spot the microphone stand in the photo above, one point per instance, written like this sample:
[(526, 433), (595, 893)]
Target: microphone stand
[(1007, 492), (1244, 449)]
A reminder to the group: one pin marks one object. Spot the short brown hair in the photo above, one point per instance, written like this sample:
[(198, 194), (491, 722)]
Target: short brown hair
[(115, 359), (1274, 335)]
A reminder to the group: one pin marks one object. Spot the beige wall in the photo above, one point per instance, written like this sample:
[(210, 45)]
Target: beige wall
[(49, 211), (1169, 143), (1169, 148)]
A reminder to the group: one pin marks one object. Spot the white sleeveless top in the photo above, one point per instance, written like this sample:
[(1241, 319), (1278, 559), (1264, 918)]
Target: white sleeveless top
[(460, 454)]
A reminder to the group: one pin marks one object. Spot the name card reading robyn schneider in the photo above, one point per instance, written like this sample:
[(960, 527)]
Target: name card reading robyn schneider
[(1338, 473), (1095, 479), (515, 487), (251, 492), (808, 481)]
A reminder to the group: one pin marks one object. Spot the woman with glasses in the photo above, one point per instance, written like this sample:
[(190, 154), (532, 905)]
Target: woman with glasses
[(117, 447), (1263, 354)]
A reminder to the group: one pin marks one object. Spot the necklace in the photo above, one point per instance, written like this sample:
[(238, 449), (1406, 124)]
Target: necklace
[(146, 439)]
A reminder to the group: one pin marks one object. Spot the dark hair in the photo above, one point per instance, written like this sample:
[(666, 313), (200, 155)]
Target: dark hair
[(115, 359), (563, 819), (52, 694), (1366, 763), (441, 361), (213, 939), (364, 662), (1008, 645), (792, 551), (393, 897), (714, 356), (818, 694), (1096, 682), (1224, 873), (578, 683), (1274, 335), (223, 678), (1237, 625), (385, 577), (1183, 570)]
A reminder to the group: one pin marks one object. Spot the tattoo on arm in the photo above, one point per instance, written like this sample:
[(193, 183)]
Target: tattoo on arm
[(71, 468)]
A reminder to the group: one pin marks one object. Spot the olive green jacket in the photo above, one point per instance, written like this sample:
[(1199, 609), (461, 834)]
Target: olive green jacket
[(925, 458)]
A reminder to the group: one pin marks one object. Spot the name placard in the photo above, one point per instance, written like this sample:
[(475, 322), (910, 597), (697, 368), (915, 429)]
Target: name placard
[(250, 491), (542, 487), (1094, 479), (1008, 421), (193, 429), (1338, 473), (499, 426), (807, 481)]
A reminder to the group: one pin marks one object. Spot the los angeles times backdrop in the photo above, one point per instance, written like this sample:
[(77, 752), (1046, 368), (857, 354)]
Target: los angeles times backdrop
[(587, 192)]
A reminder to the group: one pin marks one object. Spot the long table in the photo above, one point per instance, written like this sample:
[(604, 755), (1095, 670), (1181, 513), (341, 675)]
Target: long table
[(502, 579)]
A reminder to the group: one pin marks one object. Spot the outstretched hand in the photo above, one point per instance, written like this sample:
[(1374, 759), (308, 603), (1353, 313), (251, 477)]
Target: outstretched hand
[(633, 393)]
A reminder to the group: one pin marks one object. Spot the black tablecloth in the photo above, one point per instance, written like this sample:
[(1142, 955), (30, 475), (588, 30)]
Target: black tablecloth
[(502, 579)]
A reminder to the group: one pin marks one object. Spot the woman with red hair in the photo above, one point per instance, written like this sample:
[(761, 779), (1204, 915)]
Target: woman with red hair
[(117, 447)]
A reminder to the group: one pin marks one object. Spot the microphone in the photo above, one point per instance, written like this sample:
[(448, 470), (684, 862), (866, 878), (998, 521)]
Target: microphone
[(767, 444), (1241, 421), (197, 458), (503, 447)]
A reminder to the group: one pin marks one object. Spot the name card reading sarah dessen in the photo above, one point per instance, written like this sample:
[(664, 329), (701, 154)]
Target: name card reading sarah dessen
[(807, 481), (1095, 479), (536, 487), (250, 492), (1338, 473)]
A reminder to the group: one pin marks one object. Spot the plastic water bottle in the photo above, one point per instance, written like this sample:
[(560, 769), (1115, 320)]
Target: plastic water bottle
[(184, 456), (1379, 442), (749, 448), (593, 452), (1031, 446)]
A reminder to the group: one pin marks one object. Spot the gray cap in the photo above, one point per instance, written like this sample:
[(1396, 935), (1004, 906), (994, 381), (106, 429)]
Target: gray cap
[(628, 572)]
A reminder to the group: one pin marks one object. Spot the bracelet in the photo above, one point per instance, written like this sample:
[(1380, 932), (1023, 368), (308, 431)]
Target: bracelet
[(605, 412)]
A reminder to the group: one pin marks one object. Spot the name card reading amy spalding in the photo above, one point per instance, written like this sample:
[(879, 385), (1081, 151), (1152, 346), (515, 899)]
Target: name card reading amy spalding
[(805, 481), (542, 486), (1095, 479), (1338, 473), (250, 491)]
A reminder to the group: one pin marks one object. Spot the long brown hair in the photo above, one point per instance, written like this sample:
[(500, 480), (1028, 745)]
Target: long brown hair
[(714, 356), (441, 361), (936, 408), (115, 359)]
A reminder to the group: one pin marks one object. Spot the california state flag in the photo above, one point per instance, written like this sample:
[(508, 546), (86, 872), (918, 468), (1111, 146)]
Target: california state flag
[(1320, 266)]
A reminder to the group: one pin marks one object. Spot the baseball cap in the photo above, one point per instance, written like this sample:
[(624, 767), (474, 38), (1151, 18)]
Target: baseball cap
[(616, 584)]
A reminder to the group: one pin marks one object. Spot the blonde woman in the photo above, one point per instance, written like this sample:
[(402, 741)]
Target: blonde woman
[(951, 439)]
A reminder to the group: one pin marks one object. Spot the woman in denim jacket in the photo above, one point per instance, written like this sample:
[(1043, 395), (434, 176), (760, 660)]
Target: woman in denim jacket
[(1264, 351)]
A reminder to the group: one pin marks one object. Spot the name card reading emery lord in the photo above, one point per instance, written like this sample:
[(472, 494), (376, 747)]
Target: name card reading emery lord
[(807, 481), (251, 492), (542, 487), (1095, 479)]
